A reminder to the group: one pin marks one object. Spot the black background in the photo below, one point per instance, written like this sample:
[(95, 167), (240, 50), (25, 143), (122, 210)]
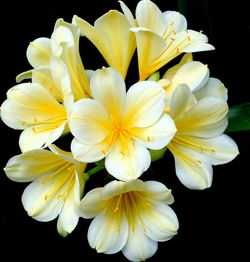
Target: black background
[(213, 222)]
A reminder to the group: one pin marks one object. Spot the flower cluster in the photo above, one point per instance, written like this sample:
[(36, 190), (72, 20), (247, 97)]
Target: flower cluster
[(182, 109)]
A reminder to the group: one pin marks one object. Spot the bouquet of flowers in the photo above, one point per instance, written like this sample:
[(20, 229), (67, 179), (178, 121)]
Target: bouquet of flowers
[(116, 127)]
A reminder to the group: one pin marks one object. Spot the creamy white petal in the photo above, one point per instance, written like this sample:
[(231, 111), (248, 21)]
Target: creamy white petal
[(69, 215), (157, 191), (207, 118), (89, 122), (160, 222), (36, 203), (39, 52), (149, 16), (92, 203), (181, 101), (31, 165), (218, 150), (194, 74), (214, 87), (139, 247), (107, 233), (144, 104), (89, 153), (193, 169), (128, 14), (108, 88), (156, 136), (176, 21), (40, 136), (129, 164)]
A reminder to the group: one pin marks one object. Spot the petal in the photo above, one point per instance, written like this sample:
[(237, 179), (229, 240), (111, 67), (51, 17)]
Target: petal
[(69, 216), (149, 16), (219, 150), (197, 42), (139, 247), (192, 168), (108, 88), (89, 122), (107, 233), (194, 74), (128, 14), (127, 165), (111, 30), (176, 20), (205, 119), (40, 136), (31, 165), (39, 52), (160, 222), (92, 204), (157, 191), (181, 101), (214, 87), (144, 104), (158, 135), (36, 203), (149, 47)]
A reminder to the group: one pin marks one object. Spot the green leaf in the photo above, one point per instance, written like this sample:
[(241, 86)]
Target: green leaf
[(155, 76), (239, 118)]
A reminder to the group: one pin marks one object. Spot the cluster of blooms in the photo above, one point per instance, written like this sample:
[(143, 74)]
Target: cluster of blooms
[(184, 110)]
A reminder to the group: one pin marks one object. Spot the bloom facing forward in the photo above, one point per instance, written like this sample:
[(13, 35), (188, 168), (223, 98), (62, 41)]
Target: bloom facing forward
[(199, 141), (58, 182), (129, 216), (120, 126)]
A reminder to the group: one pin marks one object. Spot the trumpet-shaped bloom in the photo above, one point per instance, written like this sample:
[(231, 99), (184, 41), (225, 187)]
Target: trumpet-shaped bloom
[(64, 44), (58, 182), (199, 141), (130, 217), (120, 126), (195, 75), (160, 37), (112, 37)]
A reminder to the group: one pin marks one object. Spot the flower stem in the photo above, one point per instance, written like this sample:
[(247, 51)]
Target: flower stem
[(94, 170)]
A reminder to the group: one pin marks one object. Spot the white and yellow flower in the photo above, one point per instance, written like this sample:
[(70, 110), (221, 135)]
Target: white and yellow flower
[(130, 217), (195, 75), (199, 141), (120, 126), (33, 108), (63, 44), (160, 37), (58, 182), (112, 37)]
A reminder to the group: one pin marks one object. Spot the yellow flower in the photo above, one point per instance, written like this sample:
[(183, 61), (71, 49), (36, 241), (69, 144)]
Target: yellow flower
[(199, 141), (130, 217), (64, 44), (195, 75), (120, 126), (160, 37), (32, 108), (112, 37), (58, 182)]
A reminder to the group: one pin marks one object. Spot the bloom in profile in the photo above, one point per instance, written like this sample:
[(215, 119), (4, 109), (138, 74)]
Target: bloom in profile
[(64, 45), (120, 126), (160, 37), (58, 182), (130, 217), (199, 141), (112, 37), (195, 75)]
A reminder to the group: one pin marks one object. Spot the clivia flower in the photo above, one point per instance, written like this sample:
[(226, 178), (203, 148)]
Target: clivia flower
[(57, 185), (120, 126), (130, 217)]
